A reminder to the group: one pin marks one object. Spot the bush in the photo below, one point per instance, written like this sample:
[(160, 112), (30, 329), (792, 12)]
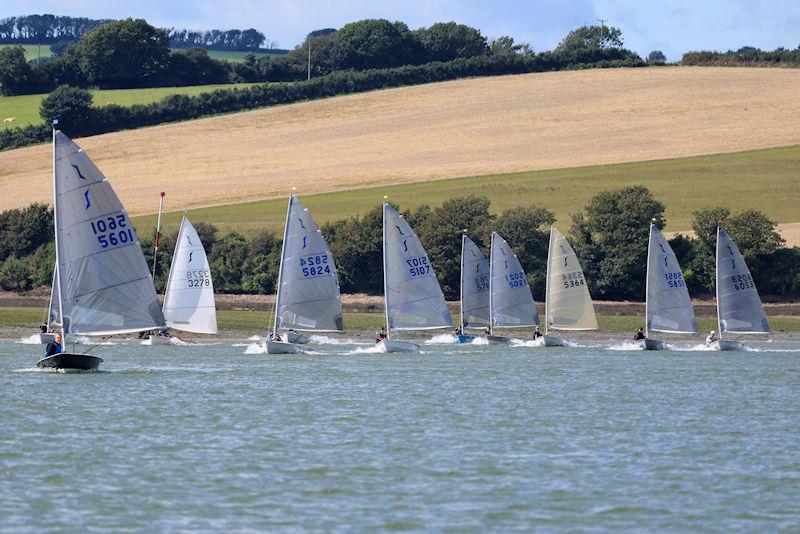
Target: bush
[(72, 107)]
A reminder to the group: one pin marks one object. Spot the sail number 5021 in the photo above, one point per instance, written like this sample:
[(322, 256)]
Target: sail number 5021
[(112, 231)]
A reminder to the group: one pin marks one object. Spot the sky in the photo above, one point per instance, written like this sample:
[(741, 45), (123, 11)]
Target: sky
[(672, 26)]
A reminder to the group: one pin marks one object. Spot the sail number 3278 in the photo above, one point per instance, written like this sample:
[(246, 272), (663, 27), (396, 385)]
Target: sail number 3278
[(112, 231)]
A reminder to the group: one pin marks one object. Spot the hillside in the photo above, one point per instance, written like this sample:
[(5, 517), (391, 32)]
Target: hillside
[(462, 128)]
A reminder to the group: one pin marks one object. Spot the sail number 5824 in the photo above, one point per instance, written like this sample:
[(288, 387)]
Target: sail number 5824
[(112, 231)]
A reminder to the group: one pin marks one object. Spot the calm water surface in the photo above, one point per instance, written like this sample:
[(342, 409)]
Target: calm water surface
[(471, 438)]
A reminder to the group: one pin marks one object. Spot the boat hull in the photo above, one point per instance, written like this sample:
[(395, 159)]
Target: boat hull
[(654, 344), (393, 345), (464, 338), (299, 339), (47, 337), (498, 340), (552, 341), (70, 361), (157, 340), (726, 344), (282, 347)]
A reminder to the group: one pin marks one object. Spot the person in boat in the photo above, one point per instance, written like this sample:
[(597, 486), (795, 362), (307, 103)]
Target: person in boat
[(164, 332), (381, 335), (43, 328), (488, 331), (458, 331), (639, 335), (274, 336), (54, 347), (536, 333), (711, 338)]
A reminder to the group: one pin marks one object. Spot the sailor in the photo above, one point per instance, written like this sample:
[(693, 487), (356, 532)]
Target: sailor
[(488, 331), (458, 331), (639, 335), (43, 328), (381, 335), (536, 333), (274, 336), (711, 338), (54, 347)]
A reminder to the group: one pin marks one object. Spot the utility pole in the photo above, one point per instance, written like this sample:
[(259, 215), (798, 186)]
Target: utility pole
[(602, 31)]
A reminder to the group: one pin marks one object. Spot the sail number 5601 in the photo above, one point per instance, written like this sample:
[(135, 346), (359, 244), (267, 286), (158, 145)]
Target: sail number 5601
[(112, 231)]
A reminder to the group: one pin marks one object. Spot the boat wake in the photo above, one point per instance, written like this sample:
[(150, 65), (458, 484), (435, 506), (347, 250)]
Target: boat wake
[(317, 339), (255, 348), (479, 341), (374, 349), (442, 339), (627, 346), (30, 340)]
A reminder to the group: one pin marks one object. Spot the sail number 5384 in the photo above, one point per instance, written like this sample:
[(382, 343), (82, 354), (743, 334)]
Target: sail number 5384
[(112, 231)]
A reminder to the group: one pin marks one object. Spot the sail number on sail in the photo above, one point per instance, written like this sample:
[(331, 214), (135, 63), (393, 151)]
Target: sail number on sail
[(418, 266), (516, 279), (573, 280), (674, 279), (482, 283), (112, 231), (742, 281), (315, 265), (198, 278)]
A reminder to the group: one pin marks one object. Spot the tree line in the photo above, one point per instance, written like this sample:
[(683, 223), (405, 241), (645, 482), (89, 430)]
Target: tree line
[(609, 236), (747, 56)]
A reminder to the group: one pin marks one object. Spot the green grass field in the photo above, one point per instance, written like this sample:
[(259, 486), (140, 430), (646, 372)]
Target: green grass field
[(26, 107), (235, 57), (764, 179), (34, 51)]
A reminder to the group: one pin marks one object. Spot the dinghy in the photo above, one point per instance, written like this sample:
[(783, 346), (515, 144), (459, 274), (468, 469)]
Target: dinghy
[(668, 307), (739, 308), (308, 298), (413, 299), (474, 289), (510, 301), (189, 303), (103, 284), (567, 304)]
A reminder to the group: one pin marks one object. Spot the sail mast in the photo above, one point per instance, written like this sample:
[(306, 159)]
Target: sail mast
[(491, 285), (647, 284), (461, 286), (716, 288), (547, 282), (55, 225), (280, 265), (158, 235), (385, 279)]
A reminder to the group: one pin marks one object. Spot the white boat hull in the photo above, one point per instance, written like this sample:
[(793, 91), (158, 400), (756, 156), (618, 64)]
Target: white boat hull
[(157, 341), (498, 340), (47, 337), (282, 347), (294, 337), (551, 341), (393, 345), (654, 344), (726, 344)]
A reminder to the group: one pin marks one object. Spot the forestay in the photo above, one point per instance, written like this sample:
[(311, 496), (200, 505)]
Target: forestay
[(568, 302), (474, 285), (189, 299), (511, 302), (414, 299), (308, 297), (104, 283), (738, 304), (668, 305)]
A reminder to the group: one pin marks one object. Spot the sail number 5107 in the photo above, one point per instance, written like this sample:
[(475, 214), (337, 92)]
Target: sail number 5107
[(418, 266), (112, 231)]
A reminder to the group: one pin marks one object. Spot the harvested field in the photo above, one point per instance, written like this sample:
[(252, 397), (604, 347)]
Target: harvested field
[(446, 130)]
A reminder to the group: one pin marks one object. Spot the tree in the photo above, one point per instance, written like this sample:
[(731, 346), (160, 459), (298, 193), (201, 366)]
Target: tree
[(656, 57), (72, 106), (356, 244), (610, 239), (446, 41), (227, 260), (124, 53), (378, 43), (15, 71), (506, 45), (588, 37)]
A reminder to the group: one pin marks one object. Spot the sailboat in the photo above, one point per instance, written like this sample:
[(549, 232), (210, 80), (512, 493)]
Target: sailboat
[(739, 308), (308, 298), (510, 301), (412, 295), (103, 284), (189, 298), (668, 307), (567, 304), (474, 289)]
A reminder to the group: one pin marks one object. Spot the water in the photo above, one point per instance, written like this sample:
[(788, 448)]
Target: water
[(471, 438)]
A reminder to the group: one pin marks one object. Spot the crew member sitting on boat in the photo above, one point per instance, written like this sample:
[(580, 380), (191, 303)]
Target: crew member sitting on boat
[(381, 335), (458, 331), (488, 331), (274, 336), (536, 333), (639, 335), (54, 347), (43, 328), (711, 338)]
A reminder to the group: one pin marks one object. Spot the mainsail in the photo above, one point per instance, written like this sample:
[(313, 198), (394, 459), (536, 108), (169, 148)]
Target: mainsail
[(510, 302), (668, 306), (474, 285), (104, 284), (54, 313), (308, 293), (189, 298), (739, 307), (568, 304), (414, 300)]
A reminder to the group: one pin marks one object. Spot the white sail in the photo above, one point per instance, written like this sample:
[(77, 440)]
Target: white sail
[(668, 305), (54, 313), (568, 304), (474, 285), (308, 294), (104, 283), (739, 307), (510, 301), (189, 298), (414, 299)]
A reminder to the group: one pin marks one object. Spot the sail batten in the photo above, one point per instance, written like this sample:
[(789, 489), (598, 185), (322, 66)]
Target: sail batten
[(103, 283), (669, 308), (413, 297), (189, 298), (568, 302), (474, 285), (511, 302), (739, 308), (308, 298)]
